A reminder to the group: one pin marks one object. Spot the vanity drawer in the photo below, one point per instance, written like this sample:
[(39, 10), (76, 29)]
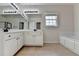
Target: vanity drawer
[(9, 36)]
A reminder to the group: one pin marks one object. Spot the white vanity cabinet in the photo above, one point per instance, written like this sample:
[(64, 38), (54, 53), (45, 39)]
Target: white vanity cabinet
[(33, 38), (28, 38), (10, 47), (12, 43)]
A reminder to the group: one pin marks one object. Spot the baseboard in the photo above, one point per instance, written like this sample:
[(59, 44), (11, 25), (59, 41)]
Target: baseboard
[(32, 45), (50, 42)]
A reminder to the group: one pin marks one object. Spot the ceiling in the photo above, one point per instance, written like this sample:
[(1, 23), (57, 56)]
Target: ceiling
[(4, 6), (7, 4)]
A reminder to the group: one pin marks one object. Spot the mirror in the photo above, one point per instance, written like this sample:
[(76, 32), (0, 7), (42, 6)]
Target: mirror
[(21, 25), (38, 25), (35, 21), (17, 21)]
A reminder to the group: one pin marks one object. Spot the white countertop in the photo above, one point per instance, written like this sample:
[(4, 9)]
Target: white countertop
[(17, 30)]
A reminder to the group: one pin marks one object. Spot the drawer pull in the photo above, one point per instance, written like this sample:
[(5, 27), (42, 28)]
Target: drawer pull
[(9, 36)]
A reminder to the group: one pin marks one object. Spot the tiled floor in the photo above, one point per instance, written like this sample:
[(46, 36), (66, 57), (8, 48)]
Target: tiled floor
[(46, 50)]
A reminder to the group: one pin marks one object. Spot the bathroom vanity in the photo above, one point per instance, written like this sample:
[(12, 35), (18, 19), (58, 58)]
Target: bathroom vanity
[(14, 40), (11, 42), (33, 38), (20, 32)]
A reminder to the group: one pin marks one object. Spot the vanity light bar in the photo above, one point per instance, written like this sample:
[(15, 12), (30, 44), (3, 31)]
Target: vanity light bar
[(31, 11), (9, 12)]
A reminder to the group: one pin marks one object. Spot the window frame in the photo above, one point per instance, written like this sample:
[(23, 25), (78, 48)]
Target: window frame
[(52, 20)]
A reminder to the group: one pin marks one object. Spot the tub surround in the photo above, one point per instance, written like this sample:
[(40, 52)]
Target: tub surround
[(72, 35), (70, 41)]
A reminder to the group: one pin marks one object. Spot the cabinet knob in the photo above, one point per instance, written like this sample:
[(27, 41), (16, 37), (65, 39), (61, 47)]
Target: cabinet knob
[(9, 35)]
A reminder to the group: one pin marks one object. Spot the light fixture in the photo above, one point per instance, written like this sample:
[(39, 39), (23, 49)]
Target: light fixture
[(31, 11)]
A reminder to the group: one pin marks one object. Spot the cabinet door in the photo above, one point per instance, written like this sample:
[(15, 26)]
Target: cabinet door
[(69, 43), (10, 47), (28, 38), (22, 39), (38, 40), (19, 41), (34, 38)]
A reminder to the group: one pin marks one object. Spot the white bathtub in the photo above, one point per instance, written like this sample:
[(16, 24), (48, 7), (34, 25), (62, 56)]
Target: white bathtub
[(71, 35), (70, 41)]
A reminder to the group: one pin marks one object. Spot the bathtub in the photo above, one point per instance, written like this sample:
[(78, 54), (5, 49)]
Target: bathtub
[(70, 40), (71, 35)]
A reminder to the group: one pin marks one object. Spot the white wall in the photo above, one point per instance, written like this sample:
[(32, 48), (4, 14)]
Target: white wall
[(65, 13), (66, 20), (76, 17)]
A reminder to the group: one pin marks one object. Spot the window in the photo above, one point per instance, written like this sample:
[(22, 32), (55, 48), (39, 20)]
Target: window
[(51, 20)]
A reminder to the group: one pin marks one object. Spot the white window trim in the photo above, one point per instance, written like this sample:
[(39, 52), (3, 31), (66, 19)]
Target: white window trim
[(51, 19)]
